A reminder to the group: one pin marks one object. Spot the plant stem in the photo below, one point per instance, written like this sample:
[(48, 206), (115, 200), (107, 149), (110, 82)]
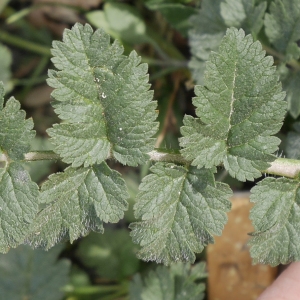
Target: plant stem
[(281, 166)]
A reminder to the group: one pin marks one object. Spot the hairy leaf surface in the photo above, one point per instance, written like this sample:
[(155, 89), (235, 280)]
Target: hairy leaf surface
[(180, 211), (283, 27), (240, 107), (276, 220), (104, 99), (220, 14), (32, 274), (77, 201), (18, 194), (174, 283)]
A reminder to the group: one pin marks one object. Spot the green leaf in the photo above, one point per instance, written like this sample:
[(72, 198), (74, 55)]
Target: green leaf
[(32, 274), (104, 99), (243, 13), (5, 64), (122, 21), (292, 88), (239, 108), (111, 255), (283, 27), (220, 15), (174, 283), (18, 205), (276, 220), (77, 201), (176, 14), (15, 139), (181, 209), (18, 194), (292, 147)]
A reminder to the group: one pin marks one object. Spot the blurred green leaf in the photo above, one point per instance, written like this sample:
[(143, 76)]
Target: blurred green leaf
[(174, 283), (32, 274), (122, 21), (5, 64), (111, 254)]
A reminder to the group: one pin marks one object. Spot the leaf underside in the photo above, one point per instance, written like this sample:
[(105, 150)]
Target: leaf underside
[(276, 220), (242, 82), (103, 97), (180, 209), (76, 202)]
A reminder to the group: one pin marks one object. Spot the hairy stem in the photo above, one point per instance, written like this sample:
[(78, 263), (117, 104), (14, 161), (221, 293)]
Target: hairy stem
[(281, 166)]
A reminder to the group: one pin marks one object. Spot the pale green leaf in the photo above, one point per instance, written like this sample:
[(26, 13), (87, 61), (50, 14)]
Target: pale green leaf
[(77, 201), (120, 20), (180, 211), (210, 24), (292, 147), (15, 139), (174, 283), (283, 27), (240, 107), (111, 255), (103, 98), (276, 220), (32, 274), (18, 205)]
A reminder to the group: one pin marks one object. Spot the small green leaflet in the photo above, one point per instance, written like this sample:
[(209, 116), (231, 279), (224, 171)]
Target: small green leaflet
[(276, 220), (103, 97), (174, 283), (15, 139), (180, 209), (283, 27), (18, 194), (240, 107), (77, 201), (32, 274)]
